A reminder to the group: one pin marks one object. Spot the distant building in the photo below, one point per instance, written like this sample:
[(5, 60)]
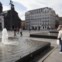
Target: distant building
[(10, 17), (57, 21), (43, 18), (1, 17), (1, 8), (23, 25), (60, 20)]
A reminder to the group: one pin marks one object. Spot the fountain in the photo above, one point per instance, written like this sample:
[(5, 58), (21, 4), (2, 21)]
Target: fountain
[(6, 39), (4, 36), (21, 49)]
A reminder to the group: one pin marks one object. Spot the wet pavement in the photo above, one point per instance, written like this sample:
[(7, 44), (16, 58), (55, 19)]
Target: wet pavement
[(13, 51), (18, 47), (54, 56)]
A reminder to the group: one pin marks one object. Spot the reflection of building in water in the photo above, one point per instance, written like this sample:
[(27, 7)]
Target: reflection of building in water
[(10, 17), (43, 18)]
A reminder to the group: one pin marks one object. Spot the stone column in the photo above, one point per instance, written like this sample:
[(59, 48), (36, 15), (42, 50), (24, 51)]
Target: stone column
[(2, 21)]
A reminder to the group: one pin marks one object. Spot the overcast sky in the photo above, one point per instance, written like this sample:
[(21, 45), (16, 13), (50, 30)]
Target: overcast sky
[(21, 6)]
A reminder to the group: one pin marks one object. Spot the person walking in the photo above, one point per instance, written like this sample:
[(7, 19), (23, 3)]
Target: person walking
[(20, 30), (14, 32), (60, 37)]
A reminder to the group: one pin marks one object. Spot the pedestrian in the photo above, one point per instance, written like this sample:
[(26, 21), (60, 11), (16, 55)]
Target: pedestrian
[(20, 30), (17, 33), (60, 37), (14, 32)]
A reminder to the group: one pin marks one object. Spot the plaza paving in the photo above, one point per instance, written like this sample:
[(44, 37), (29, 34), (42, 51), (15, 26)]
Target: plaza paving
[(52, 56)]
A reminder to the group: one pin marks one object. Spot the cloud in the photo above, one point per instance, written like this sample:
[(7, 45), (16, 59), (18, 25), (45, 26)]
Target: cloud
[(34, 4), (21, 14), (24, 5), (31, 4), (6, 8), (19, 6)]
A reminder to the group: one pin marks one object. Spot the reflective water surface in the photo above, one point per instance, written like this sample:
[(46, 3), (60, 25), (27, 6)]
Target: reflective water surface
[(17, 49)]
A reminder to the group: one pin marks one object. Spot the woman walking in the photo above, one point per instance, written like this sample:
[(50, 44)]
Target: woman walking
[(60, 37)]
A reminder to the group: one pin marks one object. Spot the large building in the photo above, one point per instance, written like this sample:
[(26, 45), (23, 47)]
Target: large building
[(23, 25), (43, 18), (1, 17), (9, 19)]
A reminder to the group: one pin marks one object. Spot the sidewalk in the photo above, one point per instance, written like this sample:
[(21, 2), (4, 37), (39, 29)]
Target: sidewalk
[(55, 56)]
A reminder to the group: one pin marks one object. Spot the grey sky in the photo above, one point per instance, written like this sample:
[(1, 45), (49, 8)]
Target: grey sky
[(21, 6)]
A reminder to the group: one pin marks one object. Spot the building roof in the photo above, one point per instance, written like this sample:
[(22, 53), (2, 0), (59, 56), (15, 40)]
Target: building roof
[(39, 10)]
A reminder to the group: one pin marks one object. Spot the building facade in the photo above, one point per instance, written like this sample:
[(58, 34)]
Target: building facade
[(1, 17), (9, 19), (60, 20), (23, 25), (43, 18)]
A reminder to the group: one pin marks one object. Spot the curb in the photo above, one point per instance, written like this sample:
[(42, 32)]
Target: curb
[(47, 55)]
